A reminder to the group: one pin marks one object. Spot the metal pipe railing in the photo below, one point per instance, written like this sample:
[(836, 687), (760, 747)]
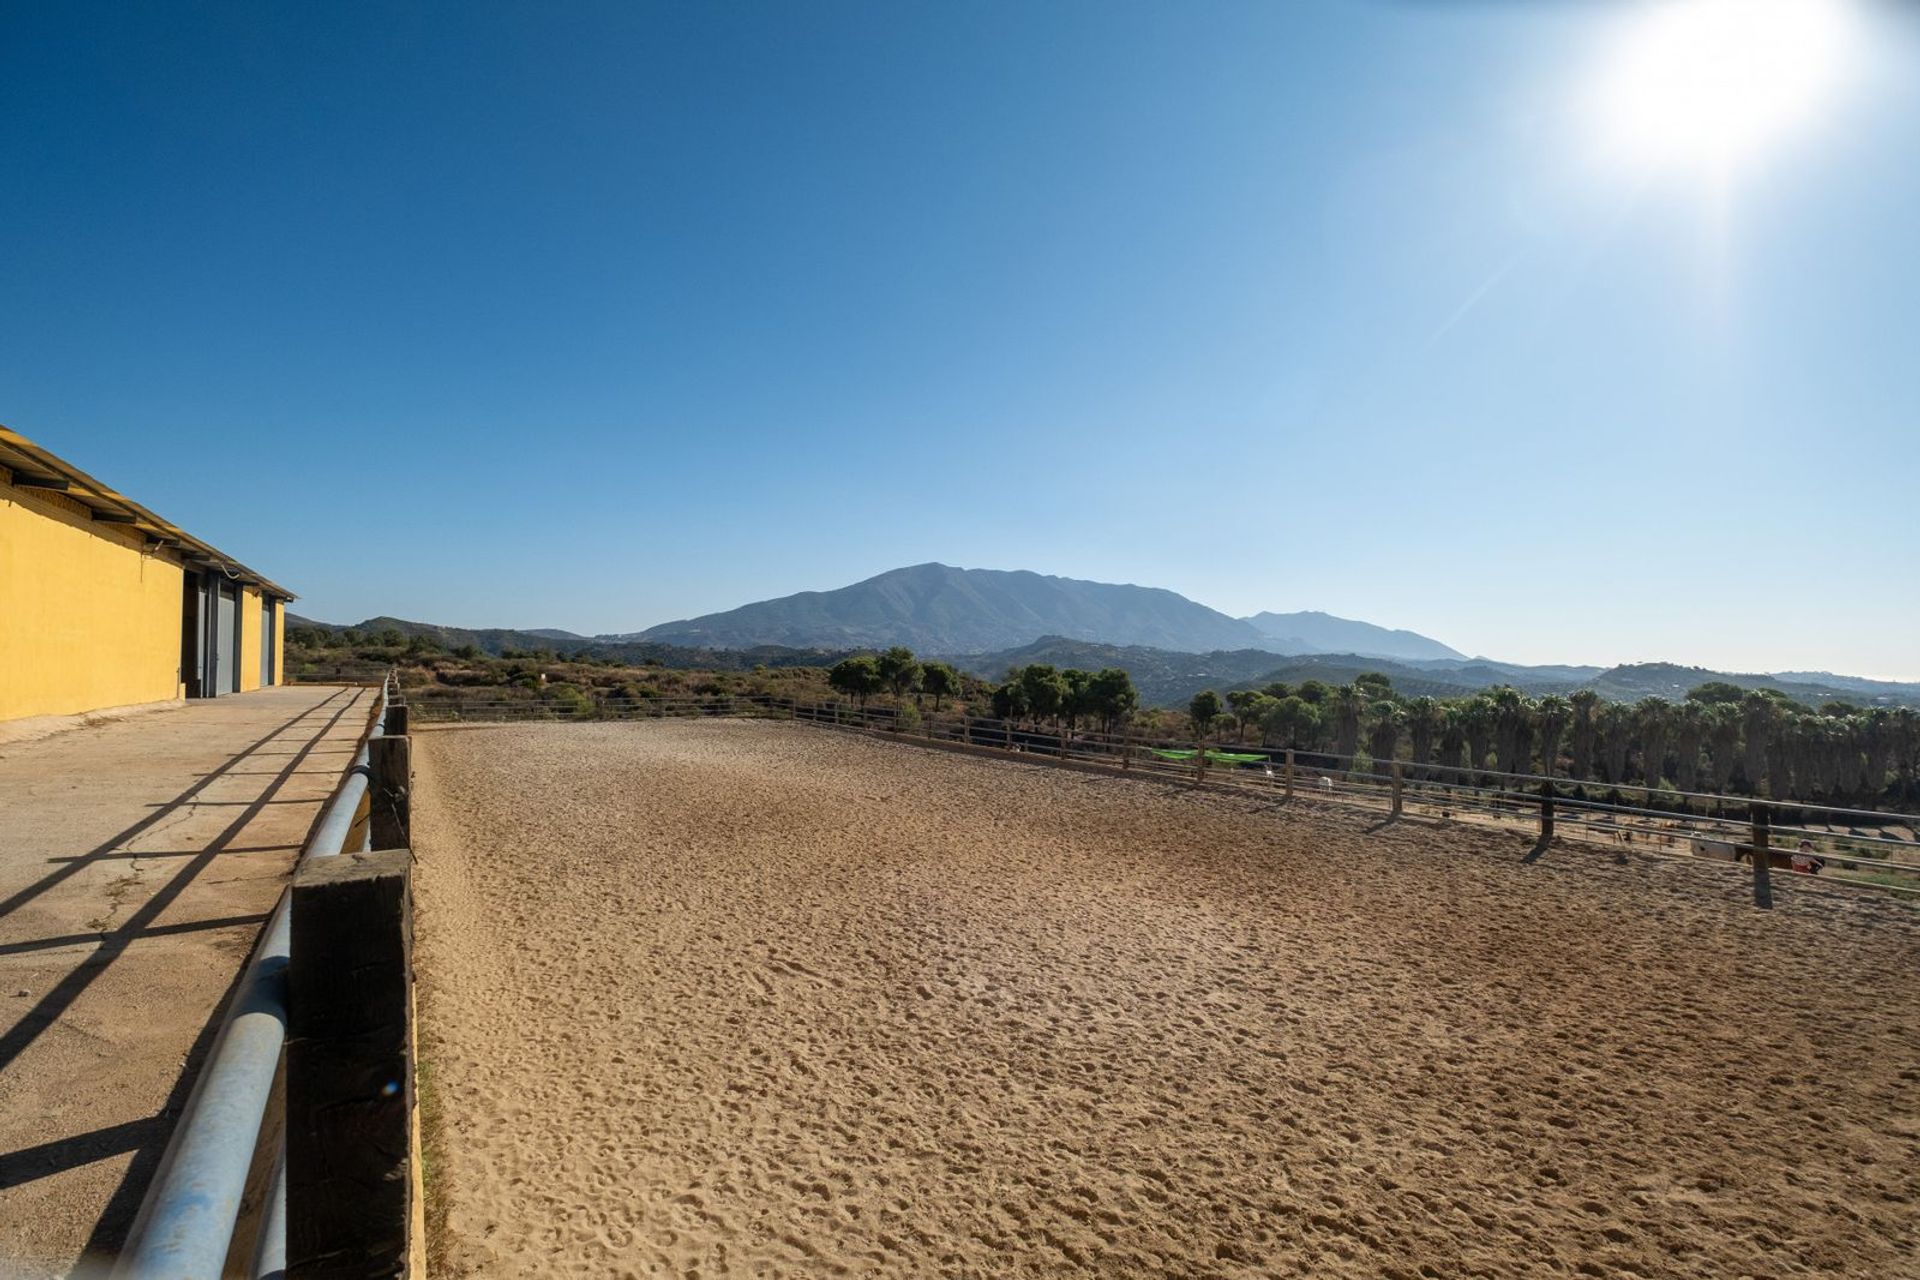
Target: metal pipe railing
[(184, 1229)]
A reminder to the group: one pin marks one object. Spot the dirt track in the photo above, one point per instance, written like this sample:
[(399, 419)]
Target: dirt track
[(740, 998)]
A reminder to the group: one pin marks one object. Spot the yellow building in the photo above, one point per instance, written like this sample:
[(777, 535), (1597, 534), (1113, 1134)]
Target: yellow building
[(104, 604)]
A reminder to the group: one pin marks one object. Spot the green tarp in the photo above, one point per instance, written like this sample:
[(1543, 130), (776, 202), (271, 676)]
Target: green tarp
[(1218, 757)]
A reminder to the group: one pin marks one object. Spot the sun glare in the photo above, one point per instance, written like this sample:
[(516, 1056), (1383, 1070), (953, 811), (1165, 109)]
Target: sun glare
[(1712, 85)]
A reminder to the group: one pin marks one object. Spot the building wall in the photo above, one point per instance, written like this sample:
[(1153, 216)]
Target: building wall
[(87, 618), (249, 638), (280, 644)]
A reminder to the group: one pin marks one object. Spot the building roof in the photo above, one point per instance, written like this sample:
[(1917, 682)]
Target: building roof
[(31, 467)]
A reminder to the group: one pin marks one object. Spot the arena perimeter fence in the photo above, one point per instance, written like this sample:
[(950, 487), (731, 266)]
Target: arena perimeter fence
[(1865, 848), (295, 1153)]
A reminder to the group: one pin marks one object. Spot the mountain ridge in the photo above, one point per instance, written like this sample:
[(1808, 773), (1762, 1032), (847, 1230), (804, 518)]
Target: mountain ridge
[(941, 608)]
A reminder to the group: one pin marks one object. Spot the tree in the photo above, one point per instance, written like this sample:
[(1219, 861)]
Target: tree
[(1384, 721), (1246, 708), (1689, 731), (1426, 719), (938, 680), (1313, 691), (1009, 701), (1616, 740), (1552, 714), (1585, 731), (1476, 725), (1348, 704), (1278, 690), (1714, 692), (1295, 721), (1376, 685), (899, 670), (1651, 718), (1045, 691), (1203, 711), (1076, 701), (857, 677), (1723, 742), (1112, 697), (1510, 714), (1757, 715), (1453, 738)]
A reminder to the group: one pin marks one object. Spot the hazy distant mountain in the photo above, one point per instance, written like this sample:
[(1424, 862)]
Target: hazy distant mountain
[(1312, 632), (1168, 679), (934, 608)]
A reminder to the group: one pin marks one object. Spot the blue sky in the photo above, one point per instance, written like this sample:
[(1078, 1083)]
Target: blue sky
[(594, 316)]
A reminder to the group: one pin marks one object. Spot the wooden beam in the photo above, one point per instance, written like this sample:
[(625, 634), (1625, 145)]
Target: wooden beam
[(113, 517), (21, 480), (350, 1085), (389, 797)]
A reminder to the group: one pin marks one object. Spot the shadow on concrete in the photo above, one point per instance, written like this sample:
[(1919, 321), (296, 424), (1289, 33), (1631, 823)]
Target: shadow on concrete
[(111, 945)]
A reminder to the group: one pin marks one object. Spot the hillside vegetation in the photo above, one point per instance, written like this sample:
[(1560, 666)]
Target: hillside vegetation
[(1717, 737)]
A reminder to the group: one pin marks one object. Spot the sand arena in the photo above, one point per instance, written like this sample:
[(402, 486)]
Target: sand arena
[(749, 999)]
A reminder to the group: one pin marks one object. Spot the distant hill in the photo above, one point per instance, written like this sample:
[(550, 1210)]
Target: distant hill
[(495, 641), (1167, 679), (935, 608), (1312, 632), (1667, 680)]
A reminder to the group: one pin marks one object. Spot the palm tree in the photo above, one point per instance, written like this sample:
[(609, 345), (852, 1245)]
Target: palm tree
[(1585, 730), (1906, 751), (1552, 714), (1426, 718), (1723, 742), (1509, 714), (1879, 742), (1476, 722), (1349, 705), (1689, 731), (1757, 715), (1616, 738), (1651, 717), (1453, 738), (1383, 734)]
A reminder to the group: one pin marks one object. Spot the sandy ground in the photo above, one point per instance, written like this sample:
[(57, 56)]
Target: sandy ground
[(748, 999), (138, 858)]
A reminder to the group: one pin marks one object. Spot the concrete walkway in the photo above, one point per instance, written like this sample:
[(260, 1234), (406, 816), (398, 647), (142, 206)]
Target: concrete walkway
[(138, 860)]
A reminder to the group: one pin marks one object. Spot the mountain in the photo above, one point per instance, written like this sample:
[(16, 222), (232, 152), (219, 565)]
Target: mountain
[(935, 608), (1323, 633)]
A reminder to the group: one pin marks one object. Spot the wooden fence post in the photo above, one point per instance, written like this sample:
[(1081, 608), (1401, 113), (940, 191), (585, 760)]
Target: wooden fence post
[(395, 723), (350, 1178), (1289, 773), (966, 730), (390, 791), (1399, 786), (1546, 810), (1762, 855)]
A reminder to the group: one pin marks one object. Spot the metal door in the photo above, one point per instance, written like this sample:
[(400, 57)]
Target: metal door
[(267, 605), (226, 641)]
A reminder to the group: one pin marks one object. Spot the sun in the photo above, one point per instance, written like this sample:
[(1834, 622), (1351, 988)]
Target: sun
[(1715, 85)]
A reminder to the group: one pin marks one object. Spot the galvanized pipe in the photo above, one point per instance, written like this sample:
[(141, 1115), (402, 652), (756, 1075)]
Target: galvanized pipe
[(185, 1226), (270, 1245)]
